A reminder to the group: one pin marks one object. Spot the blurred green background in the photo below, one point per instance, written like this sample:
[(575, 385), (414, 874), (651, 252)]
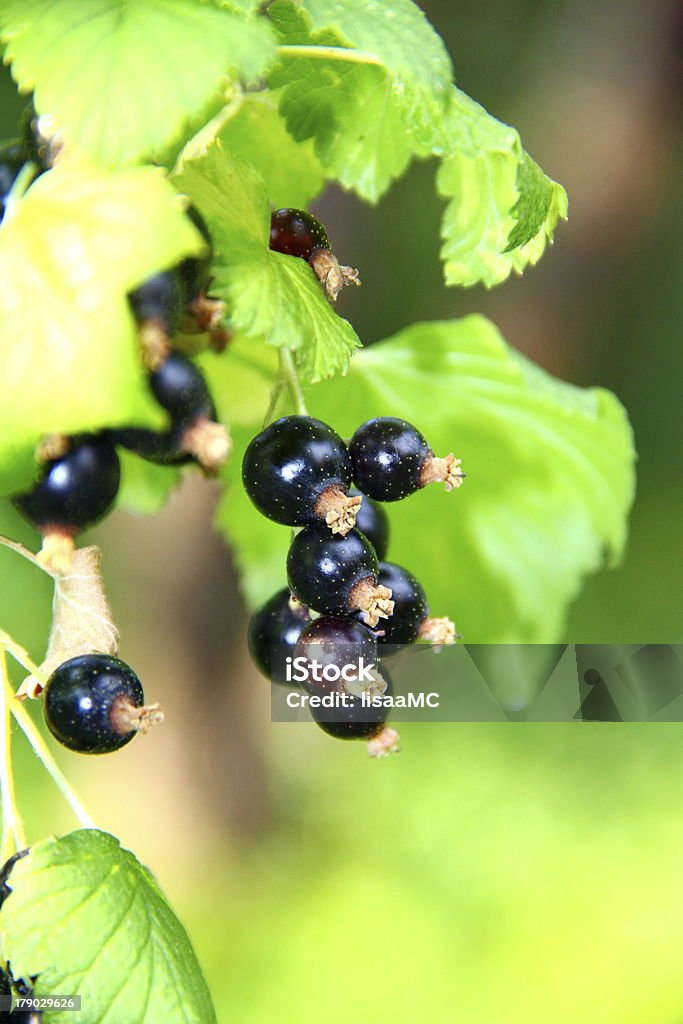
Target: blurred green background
[(492, 874)]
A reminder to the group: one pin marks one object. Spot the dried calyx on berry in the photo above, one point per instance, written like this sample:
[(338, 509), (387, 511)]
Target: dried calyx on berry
[(157, 305), (273, 634), (94, 704), (76, 490), (181, 389), (373, 522), (41, 140), (391, 459), (298, 471), (410, 620), (335, 574), (298, 233)]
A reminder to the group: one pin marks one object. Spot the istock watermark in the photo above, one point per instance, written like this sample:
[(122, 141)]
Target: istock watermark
[(609, 683)]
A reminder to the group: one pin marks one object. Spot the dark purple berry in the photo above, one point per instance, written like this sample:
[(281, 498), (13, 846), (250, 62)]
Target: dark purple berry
[(76, 490), (93, 704), (335, 574), (298, 471), (297, 233), (159, 300), (391, 459), (372, 520), (12, 159), (410, 605), (273, 634), (335, 643), (180, 387)]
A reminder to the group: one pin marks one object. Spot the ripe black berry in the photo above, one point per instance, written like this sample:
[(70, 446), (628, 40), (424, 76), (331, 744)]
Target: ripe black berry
[(180, 387), (94, 704), (335, 642), (158, 301), (298, 471), (273, 633), (12, 159), (76, 490), (337, 574), (410, 619), (298, 233), (391, 459), (194, 270), (372, 520)]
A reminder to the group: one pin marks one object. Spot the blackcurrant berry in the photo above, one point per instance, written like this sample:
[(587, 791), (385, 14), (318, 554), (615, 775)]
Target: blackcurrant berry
[(12, 159), (391, 459), (410, 620), (158, 301), (372, 520), (298, 233), (273, 633), (337, 574), (94, 704), (76, 490), (298, 471), (335, 642), (194, 270), (180, 387)]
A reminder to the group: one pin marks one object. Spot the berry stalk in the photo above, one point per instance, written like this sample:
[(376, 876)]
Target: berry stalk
[(13, 836)]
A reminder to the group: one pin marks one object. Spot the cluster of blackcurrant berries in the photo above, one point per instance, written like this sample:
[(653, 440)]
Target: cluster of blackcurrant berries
[(298, 233), (81, 474), (343, 602)]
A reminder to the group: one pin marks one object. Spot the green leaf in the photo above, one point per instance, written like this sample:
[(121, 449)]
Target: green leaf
[(269, 295), (292, 173), (503, 209), (69, 253), (549, 485), (371, 100), (145, 487), (86, 917), (121, 77)]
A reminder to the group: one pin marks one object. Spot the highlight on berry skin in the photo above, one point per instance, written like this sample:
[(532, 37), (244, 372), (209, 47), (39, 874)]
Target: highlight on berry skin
[(298, 233), (298, 471), (392, 459)]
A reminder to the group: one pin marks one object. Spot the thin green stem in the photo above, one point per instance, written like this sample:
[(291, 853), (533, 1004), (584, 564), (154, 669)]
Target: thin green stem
[(331, 53), (30, 556), (13, 835), (42, 752), (20, 186), (289, 375), (21, 656), (275, 393)]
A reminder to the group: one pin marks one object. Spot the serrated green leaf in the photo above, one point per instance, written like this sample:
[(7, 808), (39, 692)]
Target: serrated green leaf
[(549, 486), (370, 101), (69, 253), (86, 917), (121, 77), (257, 133), (269, 295), (503, 209)]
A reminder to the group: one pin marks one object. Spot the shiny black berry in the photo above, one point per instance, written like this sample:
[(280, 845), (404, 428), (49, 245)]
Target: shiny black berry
[(335, 643), (356, 719), (372, 520), (337, 574), (76, 490), (410, 605), (159, 300), (180, 387), (194, 270), (298, 471), (12, 159), (93, 704), (391, 459), (273, 634), (297, 233)]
